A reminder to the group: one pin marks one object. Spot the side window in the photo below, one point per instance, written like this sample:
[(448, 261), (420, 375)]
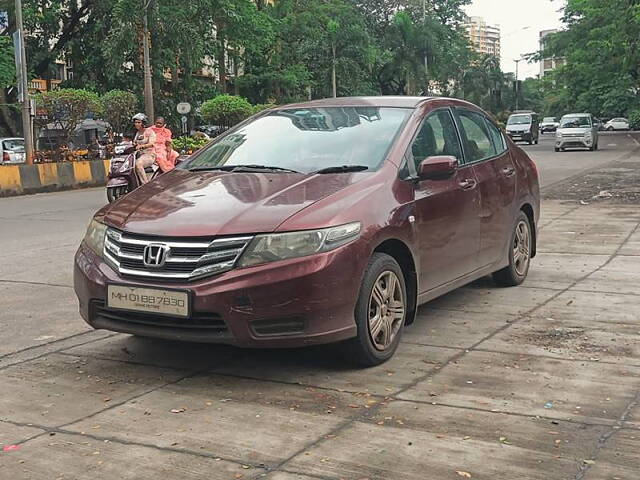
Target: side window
[(437, 136), (476, 137), (496, 136)]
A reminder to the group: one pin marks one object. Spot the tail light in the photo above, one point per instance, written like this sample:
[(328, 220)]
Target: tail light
[(5, 156)]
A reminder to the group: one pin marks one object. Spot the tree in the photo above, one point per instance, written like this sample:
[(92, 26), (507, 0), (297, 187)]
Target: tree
[(7, 79), (601, 47), (68, 108), (226, 110), (118, 107)]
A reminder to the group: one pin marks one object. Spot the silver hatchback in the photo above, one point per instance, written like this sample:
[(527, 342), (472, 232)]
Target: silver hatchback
[(577, 130)]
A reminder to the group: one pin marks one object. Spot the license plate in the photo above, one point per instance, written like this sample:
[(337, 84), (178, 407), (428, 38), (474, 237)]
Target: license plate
[(148, 300)]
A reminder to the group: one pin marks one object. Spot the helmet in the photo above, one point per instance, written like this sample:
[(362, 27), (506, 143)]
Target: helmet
[(140, 116)]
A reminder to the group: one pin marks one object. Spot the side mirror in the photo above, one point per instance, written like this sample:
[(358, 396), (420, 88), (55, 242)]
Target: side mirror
[(437, 168)]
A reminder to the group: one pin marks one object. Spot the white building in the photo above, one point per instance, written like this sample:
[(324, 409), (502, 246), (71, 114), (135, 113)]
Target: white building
[(485, 38), (548, 64)]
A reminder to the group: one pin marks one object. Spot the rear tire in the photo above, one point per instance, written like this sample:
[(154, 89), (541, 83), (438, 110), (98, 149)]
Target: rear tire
[(557, 149), (520, 248), (380, 313)]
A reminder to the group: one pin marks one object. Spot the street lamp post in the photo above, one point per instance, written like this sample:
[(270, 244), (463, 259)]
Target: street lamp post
[(517, 89), (26, 103)]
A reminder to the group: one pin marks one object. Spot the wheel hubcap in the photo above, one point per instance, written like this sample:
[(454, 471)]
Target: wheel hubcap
[(386, 310), (522, 248)]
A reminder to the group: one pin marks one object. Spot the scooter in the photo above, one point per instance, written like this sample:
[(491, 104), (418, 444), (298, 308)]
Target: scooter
[(123, 177)]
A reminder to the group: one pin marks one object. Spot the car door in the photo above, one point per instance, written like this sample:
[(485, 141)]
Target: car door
[(446, 210), (486, 150)]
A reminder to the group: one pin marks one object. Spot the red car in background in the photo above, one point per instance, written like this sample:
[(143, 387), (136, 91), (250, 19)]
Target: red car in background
[(325, 221)]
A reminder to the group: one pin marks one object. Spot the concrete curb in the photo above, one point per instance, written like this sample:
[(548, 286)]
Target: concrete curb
[(51, 177)]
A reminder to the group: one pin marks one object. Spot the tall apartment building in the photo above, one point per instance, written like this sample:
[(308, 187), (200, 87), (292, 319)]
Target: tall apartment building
[(551, 63), (485, 38)]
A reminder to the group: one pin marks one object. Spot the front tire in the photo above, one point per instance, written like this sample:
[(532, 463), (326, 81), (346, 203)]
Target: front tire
[(114, 193), (520, 249), (380, 313)]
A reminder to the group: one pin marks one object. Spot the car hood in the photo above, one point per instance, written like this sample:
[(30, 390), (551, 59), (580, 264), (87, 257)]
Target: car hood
[(576, 131), (182, 203)]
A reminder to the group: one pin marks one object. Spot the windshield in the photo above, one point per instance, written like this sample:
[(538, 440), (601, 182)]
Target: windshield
[(575, 122), (549, 120), (16, 145), (308, 139), (519, 120)]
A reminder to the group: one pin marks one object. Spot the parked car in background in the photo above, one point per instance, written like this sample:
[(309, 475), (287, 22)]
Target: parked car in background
[(11, 150), (619, 123), (576, 130), (325, 221), (549, 124), (523, 127)]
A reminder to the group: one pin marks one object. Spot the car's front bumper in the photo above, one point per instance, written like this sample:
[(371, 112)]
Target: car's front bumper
[(291, 303), (574, 142), (520, 136)]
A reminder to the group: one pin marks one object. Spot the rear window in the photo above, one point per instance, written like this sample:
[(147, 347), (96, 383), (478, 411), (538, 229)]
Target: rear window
[(549, 119), (15, 145)]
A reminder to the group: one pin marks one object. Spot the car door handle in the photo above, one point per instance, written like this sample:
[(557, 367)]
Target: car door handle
[(508, 171), (468, 184)]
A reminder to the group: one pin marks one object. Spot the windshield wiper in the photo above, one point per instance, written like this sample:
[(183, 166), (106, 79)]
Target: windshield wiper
[(241, 168), (341, 169)]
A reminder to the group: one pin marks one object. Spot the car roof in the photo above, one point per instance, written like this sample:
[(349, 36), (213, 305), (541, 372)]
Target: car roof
[(577, 115), (380, 101), (11, 138)]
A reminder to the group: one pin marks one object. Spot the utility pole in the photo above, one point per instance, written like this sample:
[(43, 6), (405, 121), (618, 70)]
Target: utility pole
[(517, 88), (22, 75), (148, 85)]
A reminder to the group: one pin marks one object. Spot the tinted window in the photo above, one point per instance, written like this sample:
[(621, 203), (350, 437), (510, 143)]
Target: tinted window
[(308, 139), (437, 136), (477, 140), (497, 138)]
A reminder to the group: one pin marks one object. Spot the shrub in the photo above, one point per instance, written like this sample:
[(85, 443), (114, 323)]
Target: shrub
[(189, 144), (226, 110), (634, 119), (69, 107)]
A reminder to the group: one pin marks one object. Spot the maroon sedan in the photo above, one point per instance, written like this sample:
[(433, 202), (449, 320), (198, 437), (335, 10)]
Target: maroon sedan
[(326, 221)]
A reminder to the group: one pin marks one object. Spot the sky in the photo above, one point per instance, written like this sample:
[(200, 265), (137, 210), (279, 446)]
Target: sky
[(513, 17)]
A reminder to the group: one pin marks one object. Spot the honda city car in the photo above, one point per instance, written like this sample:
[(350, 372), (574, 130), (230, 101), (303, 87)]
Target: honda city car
[(326, 221)]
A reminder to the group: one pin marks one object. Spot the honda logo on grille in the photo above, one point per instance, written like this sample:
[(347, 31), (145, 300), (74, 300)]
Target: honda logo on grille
[(155, 254)]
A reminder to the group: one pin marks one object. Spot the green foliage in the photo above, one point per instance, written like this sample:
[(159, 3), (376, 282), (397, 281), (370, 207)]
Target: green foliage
[(634, 119), (261, 106), (69, 107), (189, 144), (7, 62), (226, 110), (601, 46), (118, 107)]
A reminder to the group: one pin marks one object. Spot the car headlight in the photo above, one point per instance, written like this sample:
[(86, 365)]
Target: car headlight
[(558, 134), (94, 238), (588, 135), (281, 246)]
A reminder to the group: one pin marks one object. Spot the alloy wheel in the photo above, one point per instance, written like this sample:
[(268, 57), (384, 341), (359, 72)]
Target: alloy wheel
[(522, 248), (386, 310)]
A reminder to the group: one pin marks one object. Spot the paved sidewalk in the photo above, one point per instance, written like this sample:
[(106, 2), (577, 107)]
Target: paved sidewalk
[(536, 382)]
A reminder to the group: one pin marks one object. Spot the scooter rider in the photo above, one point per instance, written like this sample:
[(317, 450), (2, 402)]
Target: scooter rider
[(144, 141)]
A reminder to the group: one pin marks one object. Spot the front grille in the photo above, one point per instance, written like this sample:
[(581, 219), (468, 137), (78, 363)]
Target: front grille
[(183, 259), (211, 322), (573, 135)]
